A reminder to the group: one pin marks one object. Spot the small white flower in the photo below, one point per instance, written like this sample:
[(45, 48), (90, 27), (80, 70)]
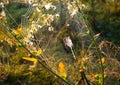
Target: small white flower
[(30, 1), (35, 28), (74, 13), (51, 17), (67, 24), (69, 6), (31, 31), (39, 26), (57, 15), (32, 36), (54, 7), (33, 22), (83, 5), (51, 28), (30, 43), (3, 13), (48, 6), (2, 4)]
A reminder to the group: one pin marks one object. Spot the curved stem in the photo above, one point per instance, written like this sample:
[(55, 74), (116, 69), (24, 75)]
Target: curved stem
[(94, 41)]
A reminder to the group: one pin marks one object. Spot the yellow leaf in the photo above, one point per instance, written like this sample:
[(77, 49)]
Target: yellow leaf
[(30, 59), (19, 29), (103, 60), (62, 70), (39, 52)]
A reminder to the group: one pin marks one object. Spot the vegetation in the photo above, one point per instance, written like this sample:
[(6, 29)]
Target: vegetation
[(57, 42)]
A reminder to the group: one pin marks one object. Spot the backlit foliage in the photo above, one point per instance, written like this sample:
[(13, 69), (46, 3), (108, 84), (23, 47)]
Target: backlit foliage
[(62, 70), (54, 36)]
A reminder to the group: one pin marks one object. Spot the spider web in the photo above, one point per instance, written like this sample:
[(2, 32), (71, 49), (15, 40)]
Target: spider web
[(52, 44)]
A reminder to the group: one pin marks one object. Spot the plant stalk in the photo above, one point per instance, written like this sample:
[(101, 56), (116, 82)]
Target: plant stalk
[(94, 41)]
